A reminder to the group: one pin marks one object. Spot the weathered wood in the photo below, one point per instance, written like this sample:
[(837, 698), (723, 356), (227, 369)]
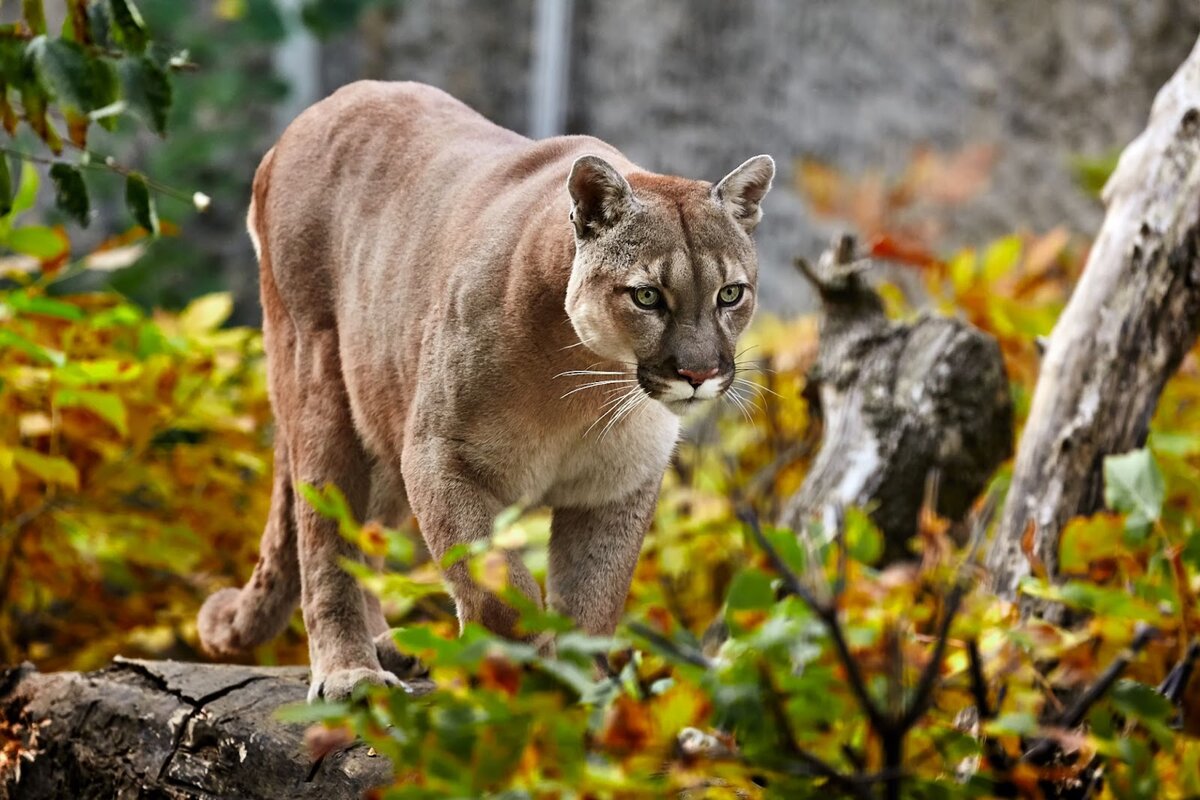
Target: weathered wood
[(900, 401), (166, 729), (1129, 322)]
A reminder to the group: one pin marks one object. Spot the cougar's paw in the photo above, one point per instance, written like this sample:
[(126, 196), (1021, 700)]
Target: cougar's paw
[(215, 623), (339, 684), (405, 667)]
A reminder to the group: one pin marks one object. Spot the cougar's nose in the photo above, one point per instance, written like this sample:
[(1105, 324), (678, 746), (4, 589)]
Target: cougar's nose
[(697, 376)]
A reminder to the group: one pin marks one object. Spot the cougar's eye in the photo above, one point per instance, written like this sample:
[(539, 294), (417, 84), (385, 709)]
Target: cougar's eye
[(729, 295), (646, 297)]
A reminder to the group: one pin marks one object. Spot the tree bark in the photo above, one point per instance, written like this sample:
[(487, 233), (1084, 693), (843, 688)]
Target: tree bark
[(1129, 322), (166, 729), (900, 402)]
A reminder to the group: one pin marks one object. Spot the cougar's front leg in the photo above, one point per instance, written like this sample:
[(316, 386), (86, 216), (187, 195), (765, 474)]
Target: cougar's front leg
[(452, 508), (593, 552), (326, 450)]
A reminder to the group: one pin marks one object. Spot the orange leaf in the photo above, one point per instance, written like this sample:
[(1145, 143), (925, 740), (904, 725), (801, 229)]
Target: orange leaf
[(906, 252), (500, 674), (627, 726), (1027, 547)]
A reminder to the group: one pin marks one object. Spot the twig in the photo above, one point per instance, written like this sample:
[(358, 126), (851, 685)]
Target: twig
[(1177, 679), (929, 676), (1073, 716), (688, 654), (979, 688), (776, 704), (104, 164), (828, 615)]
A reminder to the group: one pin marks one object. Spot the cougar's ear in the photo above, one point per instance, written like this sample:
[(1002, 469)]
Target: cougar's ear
[(742, 191), (599, 195)]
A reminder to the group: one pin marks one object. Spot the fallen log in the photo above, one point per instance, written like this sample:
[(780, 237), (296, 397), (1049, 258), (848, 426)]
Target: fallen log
[(167, 729), (900, 401), (1131, 319)]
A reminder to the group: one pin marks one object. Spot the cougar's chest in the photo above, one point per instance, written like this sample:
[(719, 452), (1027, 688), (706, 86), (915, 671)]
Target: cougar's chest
[(605, 466)]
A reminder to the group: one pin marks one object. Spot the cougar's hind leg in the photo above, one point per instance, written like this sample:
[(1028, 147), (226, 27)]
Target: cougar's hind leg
[(325, 449)]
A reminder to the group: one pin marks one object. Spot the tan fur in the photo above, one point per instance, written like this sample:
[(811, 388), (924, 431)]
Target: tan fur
[(426, 302)]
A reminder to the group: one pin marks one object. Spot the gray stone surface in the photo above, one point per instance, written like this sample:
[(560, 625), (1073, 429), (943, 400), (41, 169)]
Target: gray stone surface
[(695, 87)]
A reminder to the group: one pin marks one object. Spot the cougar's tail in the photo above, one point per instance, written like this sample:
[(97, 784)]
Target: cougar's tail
[(235, 620)]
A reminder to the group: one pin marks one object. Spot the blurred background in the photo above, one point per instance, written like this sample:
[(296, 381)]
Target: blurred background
[(1006, 111)]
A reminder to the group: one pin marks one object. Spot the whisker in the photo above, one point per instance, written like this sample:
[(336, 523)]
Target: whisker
[(595, 384), (613, 405), (758, 387), (626, 408), (742, 402), (751, 366), (733, 398), (590, 372)]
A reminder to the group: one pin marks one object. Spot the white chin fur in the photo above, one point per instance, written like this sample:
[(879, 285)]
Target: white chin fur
[(679, 393), (709, 390)]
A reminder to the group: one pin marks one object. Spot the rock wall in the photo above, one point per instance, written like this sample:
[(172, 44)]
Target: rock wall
[(696, 87)]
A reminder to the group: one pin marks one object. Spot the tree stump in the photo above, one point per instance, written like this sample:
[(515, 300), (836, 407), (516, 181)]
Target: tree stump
[(900, 402), (1130, 321), (166, 729)]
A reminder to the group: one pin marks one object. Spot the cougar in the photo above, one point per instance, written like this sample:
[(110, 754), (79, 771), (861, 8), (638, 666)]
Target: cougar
[(458, 319)]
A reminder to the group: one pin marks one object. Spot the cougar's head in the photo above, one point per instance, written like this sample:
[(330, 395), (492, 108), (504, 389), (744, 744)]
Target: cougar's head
[(665, 273)]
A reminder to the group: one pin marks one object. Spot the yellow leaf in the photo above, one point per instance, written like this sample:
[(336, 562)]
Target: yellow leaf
[(963, 270), (50, 469), (206, 313), (1000, 258), (9, 479), (105, 405)]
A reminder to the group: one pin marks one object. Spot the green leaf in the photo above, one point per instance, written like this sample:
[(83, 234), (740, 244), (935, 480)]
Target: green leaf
[(1000, 257), (75, 26), (129, 27), (1020, 723), (27, 189), (63, 68), (109, 407), (205, 314), (751, 589), (864, 542), (45, 306), (141, 204), (1092, 172), (38, 241), (328, 502), (1139, 701), (317, 711), (50, 469), (6, 187), (31, 349), (70, 192), (147, 90), (35, 15), (1134, 486), (100, 23), (1085, 540), (1117, 602)]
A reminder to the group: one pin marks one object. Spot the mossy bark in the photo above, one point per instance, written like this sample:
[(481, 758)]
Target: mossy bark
[(164, 729), (902, 403)]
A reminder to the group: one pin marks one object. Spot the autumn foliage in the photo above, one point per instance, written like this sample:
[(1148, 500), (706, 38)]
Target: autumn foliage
[(753, 662)]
